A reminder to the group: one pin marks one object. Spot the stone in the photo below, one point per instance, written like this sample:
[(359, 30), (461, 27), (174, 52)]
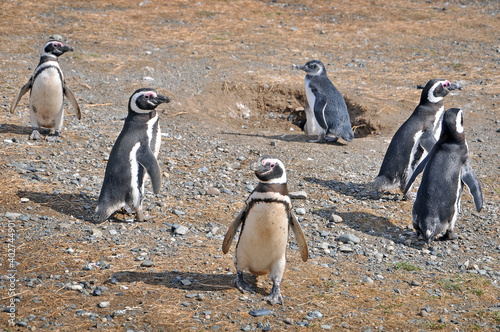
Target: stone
[(260, 312), (213, 191), (298, 195), (346, 238), (336, 218), (300, 211), (181, 230), (147, 263), (315, 314), (346, 248), (103, 304)]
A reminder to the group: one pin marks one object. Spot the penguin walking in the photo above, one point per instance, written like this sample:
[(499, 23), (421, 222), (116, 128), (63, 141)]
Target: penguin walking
[(265, 220), (132, 158), (415, 138), (326, 110), (48, 89), (446, 169)]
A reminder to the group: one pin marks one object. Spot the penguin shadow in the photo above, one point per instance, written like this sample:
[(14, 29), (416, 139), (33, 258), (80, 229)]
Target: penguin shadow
[(287, 138), (7, 128), (374, 225), (77, 205), (192, 281), (356, 190)]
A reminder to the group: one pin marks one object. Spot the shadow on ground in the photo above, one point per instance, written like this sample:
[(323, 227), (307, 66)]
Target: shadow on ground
[(78, 206), (186, 280)]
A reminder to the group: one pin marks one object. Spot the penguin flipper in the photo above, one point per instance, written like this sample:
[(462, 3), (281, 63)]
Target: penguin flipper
[(427, 141), (469, 177), (417, 171), (299, 235), (320, 105), (22, 92), (233, 228), (147, 160), (72, 99)]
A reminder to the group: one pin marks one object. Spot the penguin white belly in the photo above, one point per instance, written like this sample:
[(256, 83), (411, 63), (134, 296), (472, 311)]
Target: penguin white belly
[(263, 239), (46, 101), (312, 126)]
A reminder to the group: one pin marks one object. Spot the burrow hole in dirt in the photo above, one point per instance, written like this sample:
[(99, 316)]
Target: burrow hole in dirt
[(286, 102)]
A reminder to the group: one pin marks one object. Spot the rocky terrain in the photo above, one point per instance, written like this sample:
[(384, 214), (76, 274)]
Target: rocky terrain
[(228, 68)]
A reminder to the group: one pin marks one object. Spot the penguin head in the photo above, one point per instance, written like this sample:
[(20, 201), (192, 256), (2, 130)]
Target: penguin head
[(453, 125), (269, 169), (435, 90), (145, 100), (313, 68), (55, 48)]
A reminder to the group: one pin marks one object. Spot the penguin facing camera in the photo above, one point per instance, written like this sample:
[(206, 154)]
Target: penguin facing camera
[(133, 158), (265, 220), (415, 138), (326, 110), (446, 170), (47, 91)]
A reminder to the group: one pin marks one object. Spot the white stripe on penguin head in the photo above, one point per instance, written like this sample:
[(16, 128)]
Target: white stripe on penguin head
[(458, 122), (430, 95), (282, 178), (133, 102)]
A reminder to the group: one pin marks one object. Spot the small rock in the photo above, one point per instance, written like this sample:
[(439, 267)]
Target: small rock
[(298, 195), (346, 248), (181, 230), (63, 226), (12, 215), (118, 313), (260, 312), (25, 200), (315, 314), (336, 218), (300, 211), (368, 280), (21, 323), (203, 170), (288, 321), (185, 282), (415, 283), (213, 191), (103, 304), (96, 233), (348, 238), (147, 263)]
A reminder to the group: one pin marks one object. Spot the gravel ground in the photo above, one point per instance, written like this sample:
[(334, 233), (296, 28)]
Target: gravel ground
[(367, 269)]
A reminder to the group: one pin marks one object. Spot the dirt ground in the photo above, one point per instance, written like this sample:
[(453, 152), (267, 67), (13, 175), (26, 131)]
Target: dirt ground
[(227, 65)]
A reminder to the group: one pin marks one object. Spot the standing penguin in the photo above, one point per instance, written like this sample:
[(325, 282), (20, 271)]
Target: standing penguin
[(415, 138), (326, 110), (446, 169), (265, 220), (132, 158), (47, 92)]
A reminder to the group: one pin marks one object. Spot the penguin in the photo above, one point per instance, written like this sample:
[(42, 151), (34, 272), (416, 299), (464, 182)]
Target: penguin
[(446, 169), (326, 110), (132, 158), (265, 220), (47, 90), (415, 138)]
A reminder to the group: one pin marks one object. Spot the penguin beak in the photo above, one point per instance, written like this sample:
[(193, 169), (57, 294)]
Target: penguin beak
[(66, 49), (455, 86), (257, 167), (161, 99), (299, 67)]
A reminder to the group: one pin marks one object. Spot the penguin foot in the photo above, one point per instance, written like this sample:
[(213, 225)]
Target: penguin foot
[(275, 296), (53, 138), (448, 236), (331, 139), (242, 285), (35, 135)]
